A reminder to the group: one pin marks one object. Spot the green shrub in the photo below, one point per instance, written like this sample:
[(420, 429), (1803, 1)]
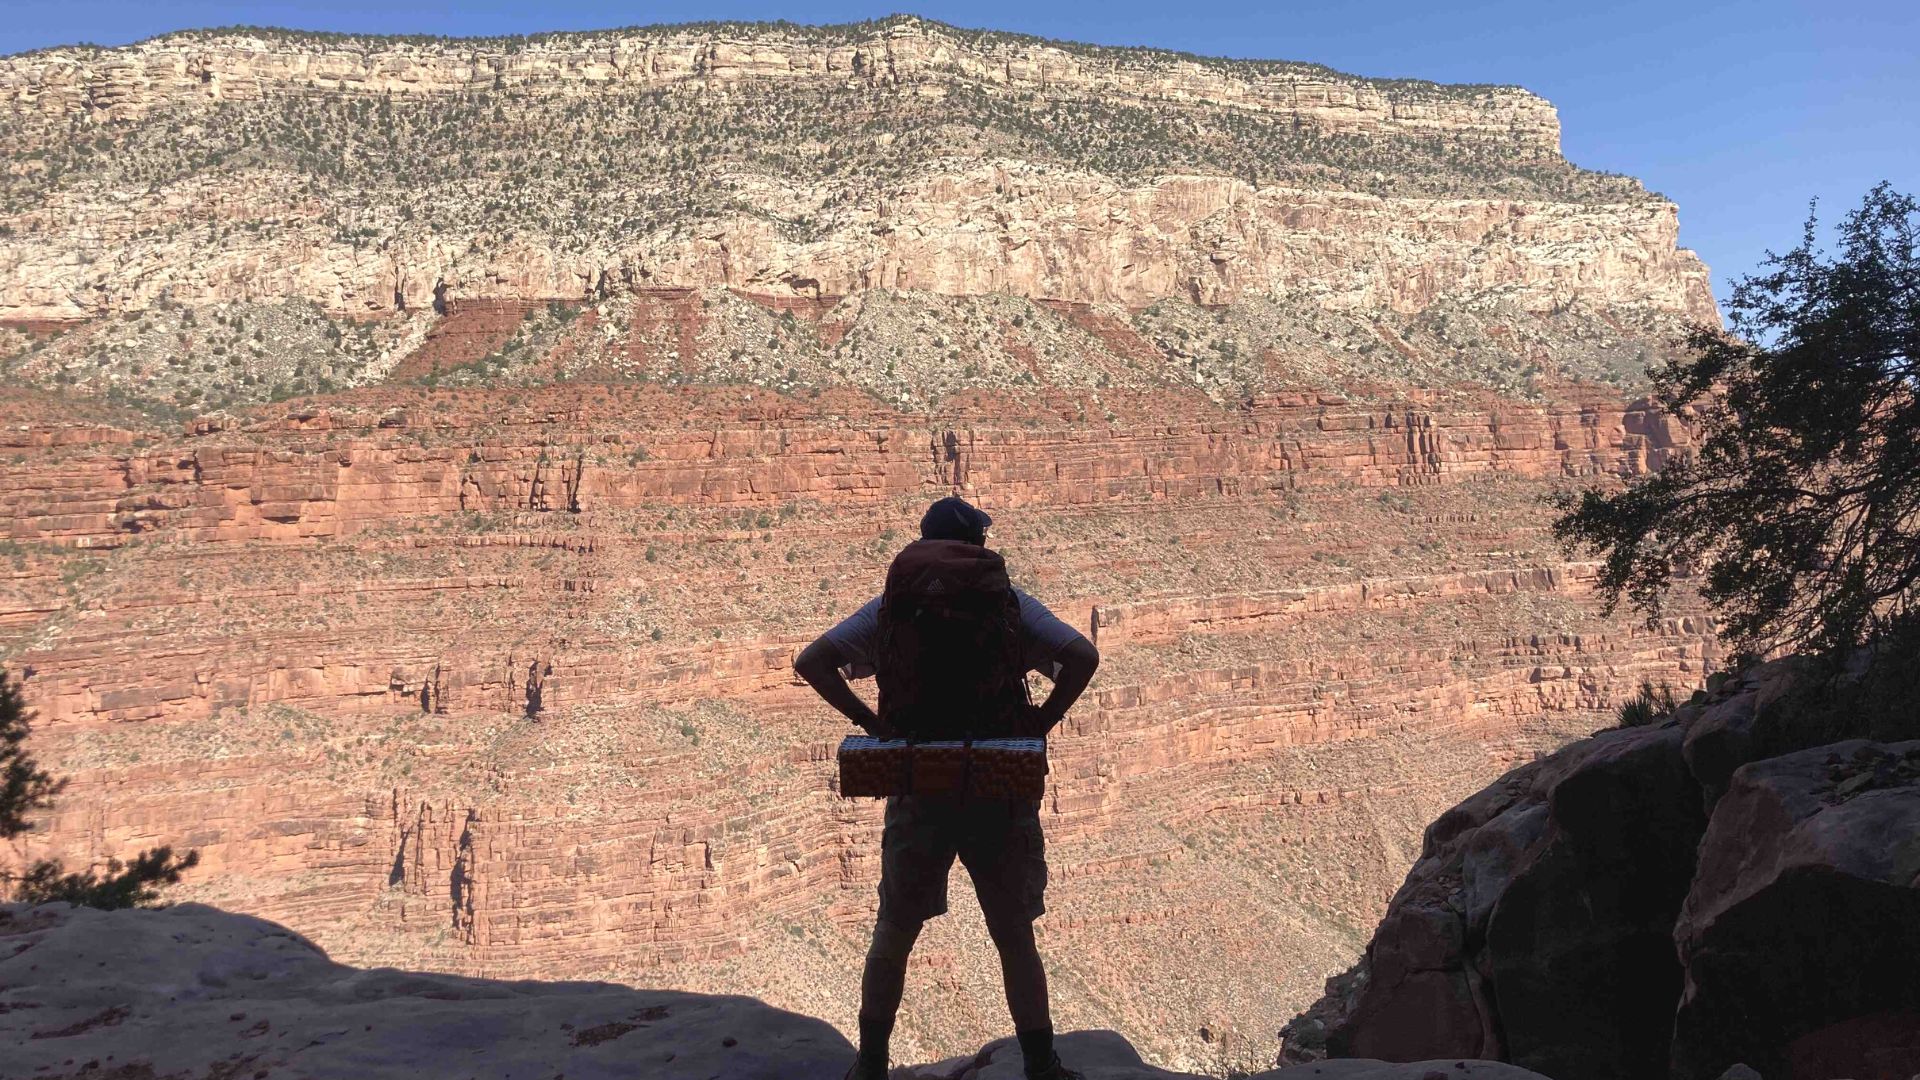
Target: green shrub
[(1646, 706)]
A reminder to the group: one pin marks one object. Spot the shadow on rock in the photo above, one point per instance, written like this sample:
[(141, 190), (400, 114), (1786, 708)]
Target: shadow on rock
[(1670, 900), (192, 990)]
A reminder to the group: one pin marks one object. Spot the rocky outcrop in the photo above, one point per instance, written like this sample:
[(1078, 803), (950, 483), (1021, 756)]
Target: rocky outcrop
[(998, 227), (192, 990), (1551, 896), (261, 221), (1650, 901), (1801, 932), (1103, 1055)]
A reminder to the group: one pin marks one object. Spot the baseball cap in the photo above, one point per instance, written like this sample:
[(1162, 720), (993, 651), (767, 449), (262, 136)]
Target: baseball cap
[(953, 518)]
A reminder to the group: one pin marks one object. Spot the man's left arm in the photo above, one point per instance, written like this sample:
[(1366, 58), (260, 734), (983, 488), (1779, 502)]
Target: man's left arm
[(1078, 660)]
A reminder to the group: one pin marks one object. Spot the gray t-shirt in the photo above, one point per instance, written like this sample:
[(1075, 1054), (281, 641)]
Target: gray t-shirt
[(1042, 636)]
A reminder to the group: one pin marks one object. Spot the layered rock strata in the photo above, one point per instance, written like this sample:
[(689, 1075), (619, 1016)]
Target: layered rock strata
[(905, 51), (325, 472), (999, 227), (493, 693), (256, 166)]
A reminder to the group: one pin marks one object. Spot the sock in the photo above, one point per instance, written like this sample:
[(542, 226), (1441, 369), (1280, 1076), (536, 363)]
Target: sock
[(874, 1036), (1036, 1049)]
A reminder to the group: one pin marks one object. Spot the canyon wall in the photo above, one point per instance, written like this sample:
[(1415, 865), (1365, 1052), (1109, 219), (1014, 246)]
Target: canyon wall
[(1145, 198), (994, 228), (420, 461), (902, 52), (492, 693)]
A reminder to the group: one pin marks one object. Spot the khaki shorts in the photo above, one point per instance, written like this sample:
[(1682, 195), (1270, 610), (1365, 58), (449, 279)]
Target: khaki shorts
[(997, 840)]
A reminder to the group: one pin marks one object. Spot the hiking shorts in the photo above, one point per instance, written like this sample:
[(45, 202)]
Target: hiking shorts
[(997, 840)]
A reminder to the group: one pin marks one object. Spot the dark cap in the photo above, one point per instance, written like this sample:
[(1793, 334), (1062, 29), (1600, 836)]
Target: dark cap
[(954, 518)]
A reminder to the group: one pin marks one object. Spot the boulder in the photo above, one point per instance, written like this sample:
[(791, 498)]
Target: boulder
[(1536, 927), (1687, 899), (1725, 732), (1578, 945), (1719, 742), (1801, 935)]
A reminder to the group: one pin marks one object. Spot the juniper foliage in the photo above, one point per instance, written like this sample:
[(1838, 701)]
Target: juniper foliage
[(1799, 504), (24, 788)]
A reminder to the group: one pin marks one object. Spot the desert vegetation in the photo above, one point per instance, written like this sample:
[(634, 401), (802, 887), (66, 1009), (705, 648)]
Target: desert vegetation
[(1799, 510), (174, 360), (517, 157)]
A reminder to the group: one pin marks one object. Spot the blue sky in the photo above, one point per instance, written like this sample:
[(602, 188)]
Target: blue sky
[(1739, 112)]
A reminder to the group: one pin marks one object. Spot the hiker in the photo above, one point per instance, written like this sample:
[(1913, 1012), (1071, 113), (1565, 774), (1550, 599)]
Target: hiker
[(997, 840)]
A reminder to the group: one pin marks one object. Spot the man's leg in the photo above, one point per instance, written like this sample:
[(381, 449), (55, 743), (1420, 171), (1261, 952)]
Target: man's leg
[(915, 856), (1006, 856), (881, 985), (1024, 974), (1026, 982)]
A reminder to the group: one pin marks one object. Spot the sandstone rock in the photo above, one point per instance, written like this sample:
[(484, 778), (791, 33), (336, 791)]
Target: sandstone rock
[(1073, 237), (901, 50), (1540, 924), (959, 223), (1804, 916), (1725, 733), (1577, 946), (192, 990), (1718, 743), (1535, 928)]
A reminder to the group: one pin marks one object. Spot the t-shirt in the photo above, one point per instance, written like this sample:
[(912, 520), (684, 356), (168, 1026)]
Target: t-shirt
[(1042, 636)]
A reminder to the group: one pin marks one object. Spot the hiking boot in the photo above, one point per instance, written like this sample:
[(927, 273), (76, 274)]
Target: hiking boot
[(1055, 1071), (860, 1070)]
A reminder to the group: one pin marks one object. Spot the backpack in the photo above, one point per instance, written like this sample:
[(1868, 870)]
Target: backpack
[(947, 657)]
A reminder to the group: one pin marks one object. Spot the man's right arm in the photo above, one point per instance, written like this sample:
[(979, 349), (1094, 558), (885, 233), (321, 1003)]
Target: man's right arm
[(819, 664)]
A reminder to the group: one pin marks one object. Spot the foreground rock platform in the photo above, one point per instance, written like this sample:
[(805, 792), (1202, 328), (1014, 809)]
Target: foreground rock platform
[(1104, 1055), (193, 991)]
